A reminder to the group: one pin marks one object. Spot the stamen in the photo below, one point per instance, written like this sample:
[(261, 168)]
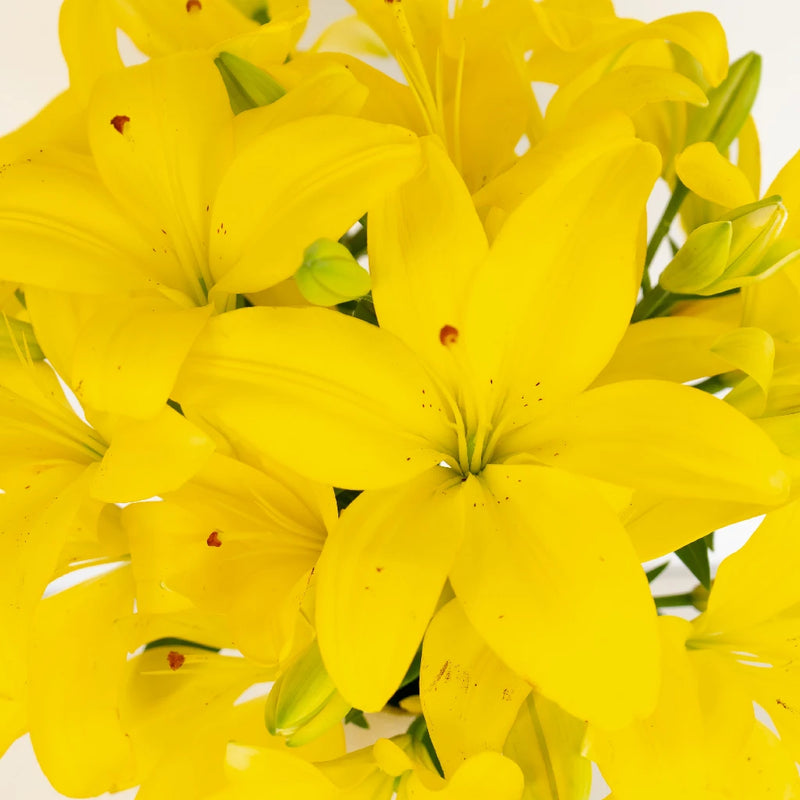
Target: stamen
[(193, 6), (448, 335), (175, 660), (119, 122), (214, 540)]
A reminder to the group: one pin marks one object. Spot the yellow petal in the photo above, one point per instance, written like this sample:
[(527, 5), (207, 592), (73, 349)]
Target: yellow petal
[(369, 625), (159, 28), (711, 176), (35, 518), (662, 756), (161, 138), (658, 525), (675, 349), (292, 383), (128, 354), (627, 89), (256, 773), (660, 436), (426, 242), (88, 35), (62, 122), (269, 534), (334, 169), (753, 584), (568, 611), (68, 246), (484, 775), (469, 697), (149, 457), (170, 691), (548, 745), (76, 667), (330, 90), (533, 323)]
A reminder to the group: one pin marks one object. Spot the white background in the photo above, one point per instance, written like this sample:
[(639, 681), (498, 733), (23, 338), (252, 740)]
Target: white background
[(32, 72)]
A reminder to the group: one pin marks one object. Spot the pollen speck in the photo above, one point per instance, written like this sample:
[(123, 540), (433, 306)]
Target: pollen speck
[(214, 540), (448, 335), (194, 5), (119, 122), (175, 660)]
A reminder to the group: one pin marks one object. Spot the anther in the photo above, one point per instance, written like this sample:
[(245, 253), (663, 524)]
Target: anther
[(119, 122), (448, 335), (175, 660)]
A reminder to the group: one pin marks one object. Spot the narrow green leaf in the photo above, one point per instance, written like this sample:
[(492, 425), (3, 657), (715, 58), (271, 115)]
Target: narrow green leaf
[(355, 716), (656, 571), (695, 556)]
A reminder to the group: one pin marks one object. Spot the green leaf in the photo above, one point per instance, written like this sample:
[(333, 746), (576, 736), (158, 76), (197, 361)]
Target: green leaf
[(656, 571), (695, 556), (355, 716)]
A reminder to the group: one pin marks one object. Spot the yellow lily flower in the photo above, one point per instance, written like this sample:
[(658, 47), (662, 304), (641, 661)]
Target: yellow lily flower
[(480, 365), (391, 768), (701, 743), (475, 703), (237, 542), (88, 35), (183, 224)]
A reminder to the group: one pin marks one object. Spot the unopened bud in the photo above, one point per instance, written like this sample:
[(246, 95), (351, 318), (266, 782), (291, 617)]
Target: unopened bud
[(729, 105), (303, 704), (248, 86), (329, 274), (738, 249)]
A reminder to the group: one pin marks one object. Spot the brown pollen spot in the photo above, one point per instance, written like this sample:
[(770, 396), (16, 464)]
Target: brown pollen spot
[(214, 540), (175, 660), (194, 5), (119, 122), (448, 335)]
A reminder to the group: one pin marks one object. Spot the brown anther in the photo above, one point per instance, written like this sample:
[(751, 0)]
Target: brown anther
[(214, 540), (175, 660), (194, 5), (448, 335), (119, 122)]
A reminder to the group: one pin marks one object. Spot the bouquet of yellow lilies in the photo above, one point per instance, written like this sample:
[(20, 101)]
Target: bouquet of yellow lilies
[(344, 379)]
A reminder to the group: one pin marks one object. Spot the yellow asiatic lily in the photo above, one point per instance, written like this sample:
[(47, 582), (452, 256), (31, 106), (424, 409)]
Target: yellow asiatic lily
[(164, 224), (396, 767), (238, 542), (464, 416), (702, 742), (88, 35)]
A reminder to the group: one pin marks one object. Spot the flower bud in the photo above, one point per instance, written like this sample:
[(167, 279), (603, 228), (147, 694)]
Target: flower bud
[(729, 105), (738, 249), (248, 86), (304, 703), (329, 274)]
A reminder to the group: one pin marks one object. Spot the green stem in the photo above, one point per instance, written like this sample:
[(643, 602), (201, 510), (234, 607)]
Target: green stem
[(655, 303), (665, 223), (674, 600)]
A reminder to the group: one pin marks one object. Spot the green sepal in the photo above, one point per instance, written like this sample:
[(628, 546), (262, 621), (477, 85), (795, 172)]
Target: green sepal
[(248, 86)]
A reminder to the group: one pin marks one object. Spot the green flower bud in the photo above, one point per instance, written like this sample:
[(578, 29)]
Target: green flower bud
[(248, 86), (329, 274), (728, 106), (304, 703), (740, 248)]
